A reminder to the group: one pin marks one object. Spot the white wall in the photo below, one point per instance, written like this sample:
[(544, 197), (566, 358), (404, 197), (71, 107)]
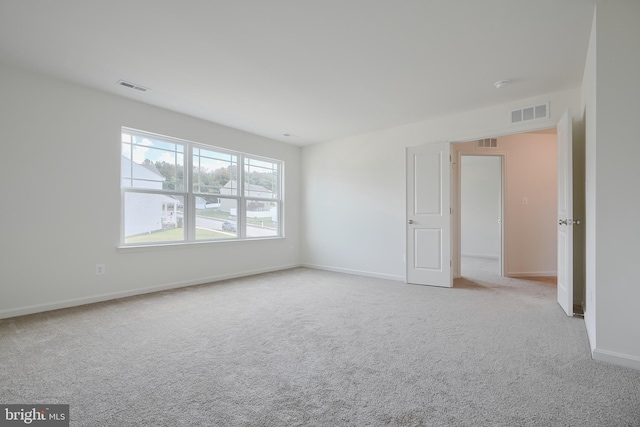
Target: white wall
[(480, 206), (530, 230), (354, 201), (589, 113), (60, 192), (613, 204)]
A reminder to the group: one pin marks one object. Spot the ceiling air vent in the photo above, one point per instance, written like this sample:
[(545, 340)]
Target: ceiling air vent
[(487, 143), (533, 112), (132, 86)]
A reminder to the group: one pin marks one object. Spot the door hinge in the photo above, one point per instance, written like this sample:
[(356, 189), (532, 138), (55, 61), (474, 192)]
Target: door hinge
[(450, 263), (450, 211)]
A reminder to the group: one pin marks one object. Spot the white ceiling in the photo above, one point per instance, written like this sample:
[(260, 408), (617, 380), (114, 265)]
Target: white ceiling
[(316, 69)]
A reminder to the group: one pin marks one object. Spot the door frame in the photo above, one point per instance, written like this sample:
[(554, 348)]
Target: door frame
[(456, 197), (455, 186), (533, 127)]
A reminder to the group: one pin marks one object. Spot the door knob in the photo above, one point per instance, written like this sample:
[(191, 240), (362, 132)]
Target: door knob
[(410, 221)]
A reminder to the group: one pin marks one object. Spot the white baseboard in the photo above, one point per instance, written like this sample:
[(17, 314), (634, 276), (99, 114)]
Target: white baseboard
[(39, 308), (614, 358), (356, 272), (531, 274)]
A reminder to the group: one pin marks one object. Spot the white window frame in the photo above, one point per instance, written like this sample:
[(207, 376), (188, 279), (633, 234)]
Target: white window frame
[(189, 196)]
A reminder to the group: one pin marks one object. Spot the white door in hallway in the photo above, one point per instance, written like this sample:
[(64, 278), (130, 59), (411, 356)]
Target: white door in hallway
[(565, 214), (429, 215)]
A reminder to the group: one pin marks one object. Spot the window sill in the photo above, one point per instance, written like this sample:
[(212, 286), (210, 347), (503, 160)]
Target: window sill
[(172, 246)]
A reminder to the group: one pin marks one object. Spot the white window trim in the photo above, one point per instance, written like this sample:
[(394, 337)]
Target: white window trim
[(189, 197)]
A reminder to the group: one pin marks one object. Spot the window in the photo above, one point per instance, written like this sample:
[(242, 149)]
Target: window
[(178, 191)]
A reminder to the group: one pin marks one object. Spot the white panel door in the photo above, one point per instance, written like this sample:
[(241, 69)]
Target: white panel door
[(429, 215), (565, 214)]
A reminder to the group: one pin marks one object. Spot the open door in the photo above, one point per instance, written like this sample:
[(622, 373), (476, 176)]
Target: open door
[(565, 214), (429, 215)]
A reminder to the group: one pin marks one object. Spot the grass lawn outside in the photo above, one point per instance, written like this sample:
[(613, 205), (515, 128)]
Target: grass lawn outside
[(263, 222), (259, 222), (177, 234)]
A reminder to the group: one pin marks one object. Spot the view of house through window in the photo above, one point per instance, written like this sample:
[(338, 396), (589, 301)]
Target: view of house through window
[(180, 191)]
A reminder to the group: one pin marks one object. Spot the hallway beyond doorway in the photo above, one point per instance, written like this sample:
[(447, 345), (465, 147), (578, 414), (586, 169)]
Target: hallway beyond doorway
[(471, 265)]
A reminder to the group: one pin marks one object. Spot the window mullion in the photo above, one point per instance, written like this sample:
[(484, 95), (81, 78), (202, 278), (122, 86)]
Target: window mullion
[(190, 208), (242, 226), (131, 164)]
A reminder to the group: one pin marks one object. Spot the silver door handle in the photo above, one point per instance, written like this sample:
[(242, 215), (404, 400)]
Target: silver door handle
[(410, 221)]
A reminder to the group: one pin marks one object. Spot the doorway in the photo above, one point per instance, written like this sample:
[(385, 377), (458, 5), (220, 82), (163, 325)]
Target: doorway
[(532, 179), (481, 213), (529, 199)]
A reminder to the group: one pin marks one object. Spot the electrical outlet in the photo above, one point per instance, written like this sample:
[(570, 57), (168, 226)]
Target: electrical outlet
[(291, 249), (100, 269)]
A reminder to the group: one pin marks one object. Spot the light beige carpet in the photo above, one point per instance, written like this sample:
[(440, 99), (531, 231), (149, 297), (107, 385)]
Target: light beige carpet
[(312, 348)]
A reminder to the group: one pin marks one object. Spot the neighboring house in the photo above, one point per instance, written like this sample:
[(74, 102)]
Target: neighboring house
[(201, 203), (207, 202), (146, 213), (255, 209), (252, 190)]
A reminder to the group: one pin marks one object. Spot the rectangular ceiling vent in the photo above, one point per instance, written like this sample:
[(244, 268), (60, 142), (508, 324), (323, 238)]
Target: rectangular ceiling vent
[(487, 143), (526, 114), (132, 86)]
